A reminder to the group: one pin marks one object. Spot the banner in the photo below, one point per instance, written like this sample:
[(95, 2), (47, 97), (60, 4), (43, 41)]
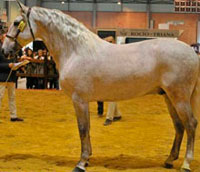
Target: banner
[(148, 33)]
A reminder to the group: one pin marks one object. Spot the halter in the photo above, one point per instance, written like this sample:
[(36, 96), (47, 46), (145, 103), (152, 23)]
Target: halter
[(21, 28)]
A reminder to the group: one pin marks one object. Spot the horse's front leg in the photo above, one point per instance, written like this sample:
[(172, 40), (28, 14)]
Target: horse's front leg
[(83, 119)]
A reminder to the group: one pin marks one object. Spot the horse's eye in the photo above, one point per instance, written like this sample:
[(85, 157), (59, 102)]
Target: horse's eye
[(16, 23)]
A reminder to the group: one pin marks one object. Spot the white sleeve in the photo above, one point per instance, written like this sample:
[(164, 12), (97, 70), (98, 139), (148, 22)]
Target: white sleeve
[(36, 57)]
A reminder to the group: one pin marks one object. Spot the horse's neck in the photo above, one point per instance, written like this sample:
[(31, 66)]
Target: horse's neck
[(63, 35)]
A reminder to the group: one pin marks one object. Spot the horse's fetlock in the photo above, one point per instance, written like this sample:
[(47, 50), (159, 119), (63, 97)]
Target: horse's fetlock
[(83, 133), (193, 124), (176, 157), (85, 156)]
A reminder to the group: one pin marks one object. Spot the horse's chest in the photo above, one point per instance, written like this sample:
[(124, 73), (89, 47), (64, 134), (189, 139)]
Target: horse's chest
[(67, 86), (72, 83)]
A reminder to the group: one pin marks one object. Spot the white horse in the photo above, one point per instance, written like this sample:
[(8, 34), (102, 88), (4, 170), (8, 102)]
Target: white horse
[(92, 69)]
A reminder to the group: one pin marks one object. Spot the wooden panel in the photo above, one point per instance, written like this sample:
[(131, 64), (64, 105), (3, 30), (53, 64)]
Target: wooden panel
[(189, 27), (84, 17), (139, 21), (121, 20)]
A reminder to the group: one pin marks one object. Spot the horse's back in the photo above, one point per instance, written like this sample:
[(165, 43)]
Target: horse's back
[(122, 72)]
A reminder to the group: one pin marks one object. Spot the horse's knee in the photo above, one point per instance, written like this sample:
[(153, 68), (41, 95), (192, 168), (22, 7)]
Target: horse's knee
[(179, 127), (192, 124), (195, 122), (83, 131), (185, 113)]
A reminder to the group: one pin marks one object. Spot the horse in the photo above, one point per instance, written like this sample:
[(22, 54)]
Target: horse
[(92, 69)]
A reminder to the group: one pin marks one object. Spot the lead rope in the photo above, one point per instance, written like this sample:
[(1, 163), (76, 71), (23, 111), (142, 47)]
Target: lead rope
[(15, 39), (11, 70), (8, 76)]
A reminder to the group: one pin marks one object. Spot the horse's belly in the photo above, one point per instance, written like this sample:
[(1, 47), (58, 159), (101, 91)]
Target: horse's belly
[(94, 90), (123, 90)]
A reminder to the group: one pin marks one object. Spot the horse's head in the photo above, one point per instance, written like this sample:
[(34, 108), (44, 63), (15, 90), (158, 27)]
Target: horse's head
[(20, 32)]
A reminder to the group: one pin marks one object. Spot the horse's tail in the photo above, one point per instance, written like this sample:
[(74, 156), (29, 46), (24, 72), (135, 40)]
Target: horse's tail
[(195, 100)]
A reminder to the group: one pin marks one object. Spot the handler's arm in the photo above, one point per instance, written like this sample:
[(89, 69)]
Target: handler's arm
[(5, 64), (4, 60), (5, 67)]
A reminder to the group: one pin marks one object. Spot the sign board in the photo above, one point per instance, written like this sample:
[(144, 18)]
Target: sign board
[(148, 33)]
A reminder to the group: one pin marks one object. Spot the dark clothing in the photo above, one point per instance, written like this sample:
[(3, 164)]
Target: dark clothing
[(52, 71), (29, 82), (4, 67), (5, 70), (100, 108)]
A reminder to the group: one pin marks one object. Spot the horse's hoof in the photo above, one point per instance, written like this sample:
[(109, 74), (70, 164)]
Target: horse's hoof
[(78, 170), (169, 166), (185, 170)]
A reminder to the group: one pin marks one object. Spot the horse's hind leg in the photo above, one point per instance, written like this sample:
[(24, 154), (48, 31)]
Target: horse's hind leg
[(83, 119), (179, 128), (181, 102), (190, 124)]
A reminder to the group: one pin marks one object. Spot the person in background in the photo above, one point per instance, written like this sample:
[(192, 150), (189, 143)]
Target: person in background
[(46, 55), (100, 108), (113, 114), (39, 55), (30, 81), (51, 71), (40, 69)]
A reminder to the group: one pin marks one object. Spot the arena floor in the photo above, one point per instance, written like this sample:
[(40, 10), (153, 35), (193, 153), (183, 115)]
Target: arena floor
[(48, 140)]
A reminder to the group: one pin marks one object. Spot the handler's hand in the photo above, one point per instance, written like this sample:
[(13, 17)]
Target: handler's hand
[(25, 58), (10, 65)]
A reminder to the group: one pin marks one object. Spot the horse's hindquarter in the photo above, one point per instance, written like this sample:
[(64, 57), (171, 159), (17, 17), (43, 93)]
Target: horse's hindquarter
[(121, 72)]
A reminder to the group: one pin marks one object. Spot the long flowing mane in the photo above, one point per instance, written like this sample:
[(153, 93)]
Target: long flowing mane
[(68, 30)]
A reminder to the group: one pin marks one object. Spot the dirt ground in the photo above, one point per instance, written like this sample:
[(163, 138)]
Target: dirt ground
[(48, 139)]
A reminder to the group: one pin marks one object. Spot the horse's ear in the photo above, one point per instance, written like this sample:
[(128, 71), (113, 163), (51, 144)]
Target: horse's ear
[(23, 8)]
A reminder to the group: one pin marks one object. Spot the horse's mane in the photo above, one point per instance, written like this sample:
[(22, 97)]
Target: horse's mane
[(68, 29), (64, 23)]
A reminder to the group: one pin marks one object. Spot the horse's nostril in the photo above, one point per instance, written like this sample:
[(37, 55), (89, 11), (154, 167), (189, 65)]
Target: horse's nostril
[(11, 52), (4, 53)]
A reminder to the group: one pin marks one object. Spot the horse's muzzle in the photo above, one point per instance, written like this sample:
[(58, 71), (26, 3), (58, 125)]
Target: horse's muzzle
[(6, 54), (2, 51)]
